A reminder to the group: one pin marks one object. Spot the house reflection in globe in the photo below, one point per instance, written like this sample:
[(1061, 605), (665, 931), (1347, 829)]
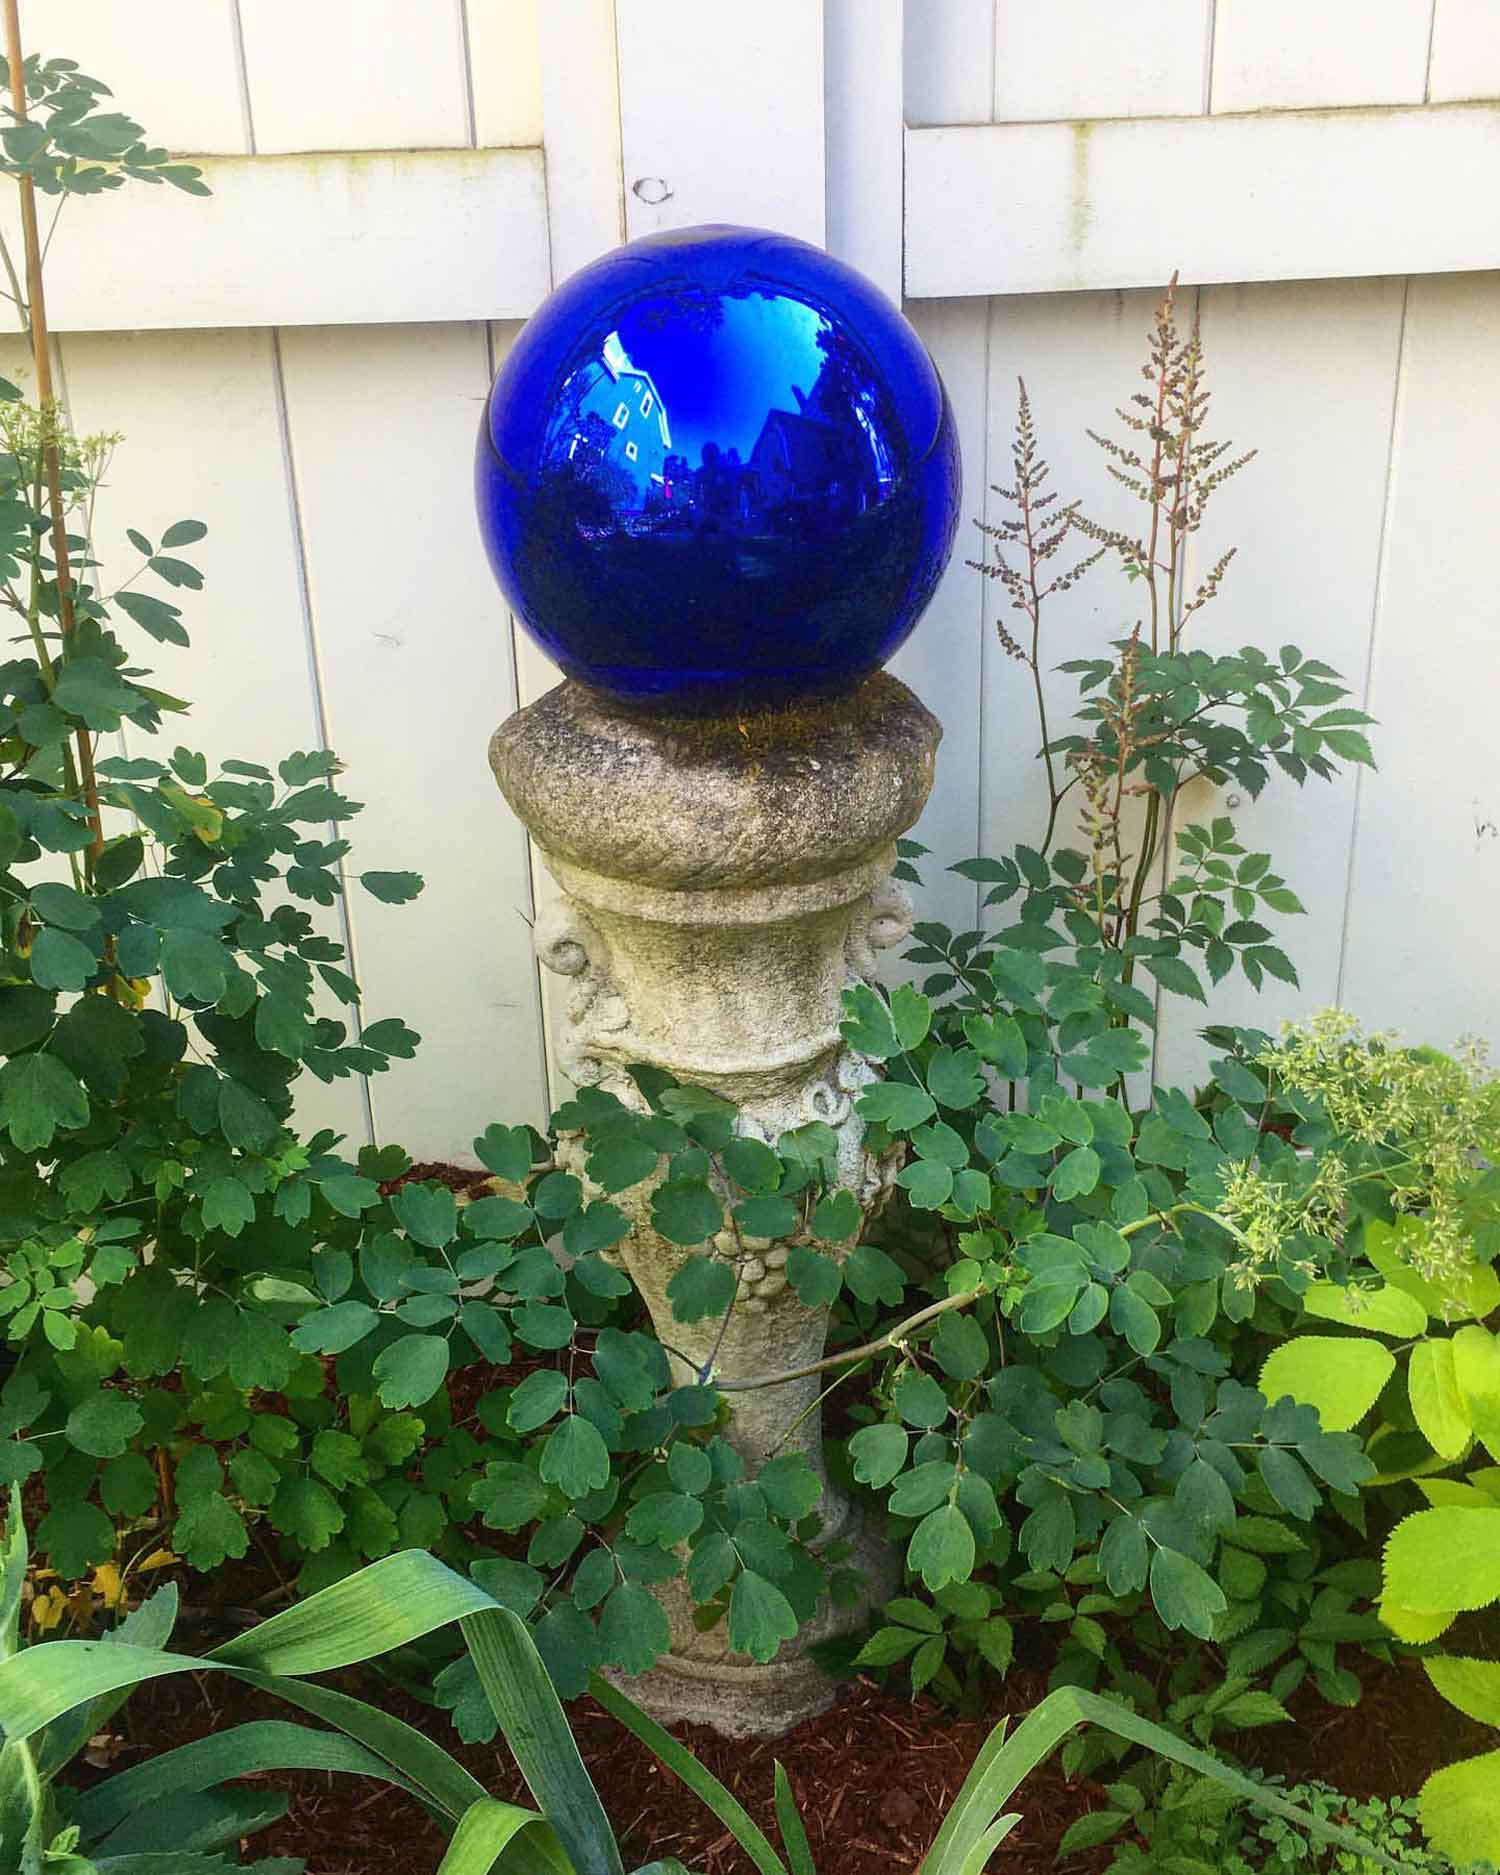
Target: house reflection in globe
[(718, 471), (822, 459)]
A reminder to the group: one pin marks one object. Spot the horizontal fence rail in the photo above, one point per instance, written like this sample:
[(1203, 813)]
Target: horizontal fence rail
[(1277, 195)]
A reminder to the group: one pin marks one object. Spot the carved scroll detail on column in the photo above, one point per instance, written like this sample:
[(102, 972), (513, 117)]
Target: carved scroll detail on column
[(568, 944), (884, 921)]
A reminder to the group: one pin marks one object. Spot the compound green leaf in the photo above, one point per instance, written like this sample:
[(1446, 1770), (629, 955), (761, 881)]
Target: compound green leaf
[(1185, 1595), (685, 1211), (575, 1457), (878, 1453), (942, 1548), (104, 1424), (411, 1370), (760, 1616), (702, 1287), (39, 1097)]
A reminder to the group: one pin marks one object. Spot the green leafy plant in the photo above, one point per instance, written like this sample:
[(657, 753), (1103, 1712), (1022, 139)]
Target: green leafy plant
[(1201, 1828), (1442, 1562)]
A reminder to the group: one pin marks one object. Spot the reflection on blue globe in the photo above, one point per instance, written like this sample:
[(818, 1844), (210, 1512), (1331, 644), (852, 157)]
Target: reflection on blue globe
[(718, 472)]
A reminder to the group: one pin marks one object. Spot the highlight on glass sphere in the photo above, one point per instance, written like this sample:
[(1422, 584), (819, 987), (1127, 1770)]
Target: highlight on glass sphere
[(718, 472)]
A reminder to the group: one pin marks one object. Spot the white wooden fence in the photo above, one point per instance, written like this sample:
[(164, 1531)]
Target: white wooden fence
[(300, 363)]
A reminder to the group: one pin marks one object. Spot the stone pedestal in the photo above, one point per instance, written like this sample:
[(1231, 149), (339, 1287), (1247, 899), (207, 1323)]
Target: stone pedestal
[(723, 881)]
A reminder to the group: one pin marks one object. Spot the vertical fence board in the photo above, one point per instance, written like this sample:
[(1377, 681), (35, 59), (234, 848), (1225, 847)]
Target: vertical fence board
[(865, 154), (1425, 883), (581, 131), (505, 71), (1077, 59), (172, 66), (1465, 51), (1080, 355), (203, 438), (412, 640), (1285, 54), (943, 660), (948, 61), (355, 74), (1306, 374), (721, 115)]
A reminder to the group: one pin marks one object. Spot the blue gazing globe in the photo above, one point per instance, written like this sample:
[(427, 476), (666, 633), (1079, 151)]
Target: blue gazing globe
[(718, 472)]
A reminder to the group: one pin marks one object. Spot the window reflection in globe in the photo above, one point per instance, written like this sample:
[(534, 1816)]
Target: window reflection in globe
[(717, 472)]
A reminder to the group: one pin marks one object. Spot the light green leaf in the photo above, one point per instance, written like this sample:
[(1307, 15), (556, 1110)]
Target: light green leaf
[(1460, 1809), (1471, 1685), (1341, 1376), (1438, 1561), (1476, 1368), (1384, 1311), (1436, 1402)]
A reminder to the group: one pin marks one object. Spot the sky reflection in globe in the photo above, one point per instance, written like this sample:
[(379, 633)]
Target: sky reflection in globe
[(718, 472)]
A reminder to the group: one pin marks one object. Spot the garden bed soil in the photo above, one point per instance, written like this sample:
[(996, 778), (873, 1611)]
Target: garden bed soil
[(873, 1776)]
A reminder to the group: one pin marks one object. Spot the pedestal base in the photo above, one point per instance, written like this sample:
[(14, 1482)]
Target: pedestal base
[(738, 1697)]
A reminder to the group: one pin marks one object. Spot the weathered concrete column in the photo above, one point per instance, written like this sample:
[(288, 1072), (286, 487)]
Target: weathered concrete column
[(723, 881)]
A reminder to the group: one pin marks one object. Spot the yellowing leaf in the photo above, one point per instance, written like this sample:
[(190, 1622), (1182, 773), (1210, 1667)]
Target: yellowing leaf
[(48, 1609), (1471, 1685), (1339, 1375), (160, 1559), (1439, 1560), (1435, 1398), (108, 1584), (1461, 1809), (1378, 1311)]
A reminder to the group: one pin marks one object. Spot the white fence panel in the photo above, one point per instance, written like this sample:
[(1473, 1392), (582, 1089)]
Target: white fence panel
[(721, 115), (1288, 55), (442, 167), (1286, 195), (1425, 888), (205, 436), (1078, 59), (414, 648)]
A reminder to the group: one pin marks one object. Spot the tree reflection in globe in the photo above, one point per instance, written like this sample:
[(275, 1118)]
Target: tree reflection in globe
[(718, 472)]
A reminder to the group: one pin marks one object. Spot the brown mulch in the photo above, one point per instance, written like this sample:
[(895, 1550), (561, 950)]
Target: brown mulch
[(873, 1776)]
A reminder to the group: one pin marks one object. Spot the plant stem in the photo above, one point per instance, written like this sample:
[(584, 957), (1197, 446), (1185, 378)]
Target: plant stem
[(889, 1339), (41, 355)]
